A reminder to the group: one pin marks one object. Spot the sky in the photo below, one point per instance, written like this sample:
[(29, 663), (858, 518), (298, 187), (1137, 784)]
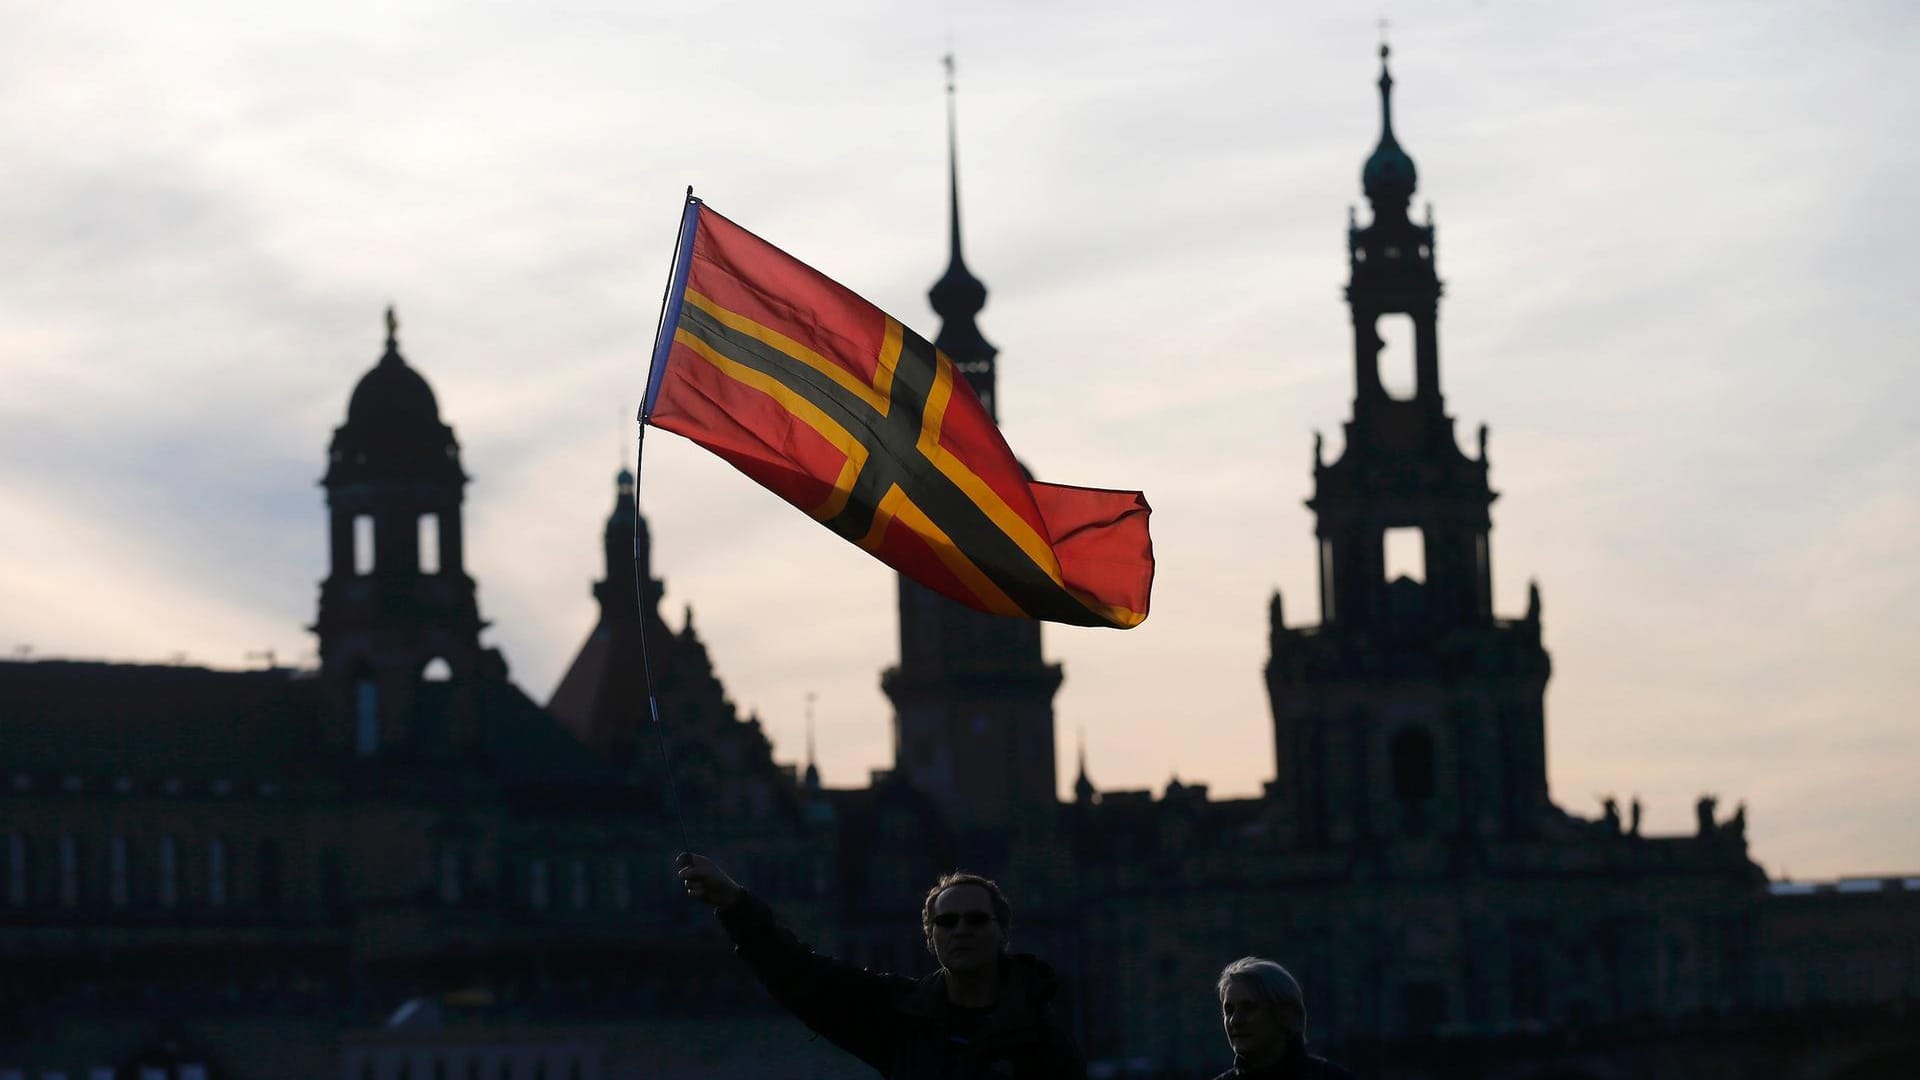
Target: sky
[(1676, 241)]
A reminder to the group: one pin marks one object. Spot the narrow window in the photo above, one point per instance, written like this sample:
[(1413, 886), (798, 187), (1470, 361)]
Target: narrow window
[(537, 884), (18, 866), (437, 670), (1411, 757), (451, 874), (363, 544), (1482, 575), (366, 728), (581, 892), (217, 872), (621, 885), (1406, 554), (69, 870), (117, 872), (169, 871), (1396, 360), (429, 543), (268, 872), (1327, 598), (333, 879)]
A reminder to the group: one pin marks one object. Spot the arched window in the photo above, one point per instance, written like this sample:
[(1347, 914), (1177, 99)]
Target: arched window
[(437, 670), (429, 543), (366, 715), (1412, 759), (1395, 360), (363, 544)]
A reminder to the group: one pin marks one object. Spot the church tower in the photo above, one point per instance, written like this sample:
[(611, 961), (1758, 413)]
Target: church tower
[(972, 696), (1411, 710), (399, 625)]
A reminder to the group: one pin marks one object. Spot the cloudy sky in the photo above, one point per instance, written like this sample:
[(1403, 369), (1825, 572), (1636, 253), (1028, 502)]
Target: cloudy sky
[(1676, 241)]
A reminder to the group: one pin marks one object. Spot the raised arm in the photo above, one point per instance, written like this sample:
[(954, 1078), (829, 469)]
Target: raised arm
[(851, 1006)]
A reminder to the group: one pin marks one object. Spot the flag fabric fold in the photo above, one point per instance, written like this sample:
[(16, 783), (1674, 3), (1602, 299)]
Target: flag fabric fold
[(839, 409)]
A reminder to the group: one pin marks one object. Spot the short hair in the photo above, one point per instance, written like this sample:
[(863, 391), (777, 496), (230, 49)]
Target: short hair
[(1270, 980), (1002, 911)]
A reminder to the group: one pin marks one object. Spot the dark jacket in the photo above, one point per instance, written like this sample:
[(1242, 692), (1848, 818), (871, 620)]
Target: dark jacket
[(900, 1026), (1297, 1065)]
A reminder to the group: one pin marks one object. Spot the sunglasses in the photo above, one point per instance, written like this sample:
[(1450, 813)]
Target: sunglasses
[(950, 919)]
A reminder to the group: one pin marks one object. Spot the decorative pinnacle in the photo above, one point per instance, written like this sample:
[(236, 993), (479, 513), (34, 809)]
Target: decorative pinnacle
[(393, 330)]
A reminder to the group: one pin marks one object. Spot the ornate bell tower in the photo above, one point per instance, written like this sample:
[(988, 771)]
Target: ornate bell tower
[(399, 626), (1412, 710), (972, 696)]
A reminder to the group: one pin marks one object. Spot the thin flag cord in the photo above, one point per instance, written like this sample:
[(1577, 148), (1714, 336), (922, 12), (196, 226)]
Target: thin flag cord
[(646, 663), (639, 568)]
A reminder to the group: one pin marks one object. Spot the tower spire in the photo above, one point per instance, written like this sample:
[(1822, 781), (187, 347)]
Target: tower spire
[(1389, 176), (813, 768), (953, 169), (958, 296)]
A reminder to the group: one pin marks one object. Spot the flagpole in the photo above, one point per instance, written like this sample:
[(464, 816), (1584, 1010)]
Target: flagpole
[(675, 275)]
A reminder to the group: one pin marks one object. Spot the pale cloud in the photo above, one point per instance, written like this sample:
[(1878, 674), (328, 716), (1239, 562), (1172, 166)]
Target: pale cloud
[(1675, 241)]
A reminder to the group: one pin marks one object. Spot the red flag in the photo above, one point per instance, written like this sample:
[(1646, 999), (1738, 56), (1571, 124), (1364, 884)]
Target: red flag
[(840, 410)]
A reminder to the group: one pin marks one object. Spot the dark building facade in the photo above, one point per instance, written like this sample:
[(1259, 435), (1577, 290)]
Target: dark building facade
[(399, 867)]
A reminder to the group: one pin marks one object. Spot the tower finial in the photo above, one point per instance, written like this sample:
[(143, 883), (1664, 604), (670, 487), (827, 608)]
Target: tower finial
[(393, 330)]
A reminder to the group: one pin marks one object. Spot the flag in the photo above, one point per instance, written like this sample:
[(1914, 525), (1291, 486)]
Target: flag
[(840, 410)]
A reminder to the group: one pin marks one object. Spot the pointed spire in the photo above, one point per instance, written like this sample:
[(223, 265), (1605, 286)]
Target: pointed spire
[(1083, 785), (813, 767), (953, 172), (958, 296)]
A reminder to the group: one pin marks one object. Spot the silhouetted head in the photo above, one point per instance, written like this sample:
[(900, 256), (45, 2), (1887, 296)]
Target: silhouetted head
[(967, 922), (1261, 1008)]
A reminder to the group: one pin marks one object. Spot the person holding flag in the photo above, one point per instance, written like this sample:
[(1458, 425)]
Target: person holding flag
[(986, 1013)]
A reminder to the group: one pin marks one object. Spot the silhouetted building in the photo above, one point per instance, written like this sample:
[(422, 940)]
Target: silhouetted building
[(398, 867)]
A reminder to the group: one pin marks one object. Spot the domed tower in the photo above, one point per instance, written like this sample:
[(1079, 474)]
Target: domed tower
[(972, 695), (397, 610), (1412, 711), (602, 698)]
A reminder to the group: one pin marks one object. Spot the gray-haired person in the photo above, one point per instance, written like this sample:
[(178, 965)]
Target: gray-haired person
[(1266, 1020)]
